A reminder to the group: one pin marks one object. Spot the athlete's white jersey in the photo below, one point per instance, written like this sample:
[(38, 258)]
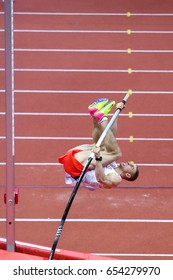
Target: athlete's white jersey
[(89, 180)]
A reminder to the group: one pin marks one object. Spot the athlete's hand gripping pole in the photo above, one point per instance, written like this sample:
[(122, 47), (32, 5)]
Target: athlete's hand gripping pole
[(75, 189)]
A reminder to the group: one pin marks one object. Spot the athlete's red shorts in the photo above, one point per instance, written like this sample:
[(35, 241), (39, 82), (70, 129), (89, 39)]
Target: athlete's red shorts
[(71, 165)]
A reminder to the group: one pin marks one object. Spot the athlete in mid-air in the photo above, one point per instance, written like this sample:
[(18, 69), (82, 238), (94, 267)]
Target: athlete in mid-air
[(104, 171)]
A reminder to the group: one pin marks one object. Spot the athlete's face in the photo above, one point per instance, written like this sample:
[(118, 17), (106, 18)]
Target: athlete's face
[(128, 167)]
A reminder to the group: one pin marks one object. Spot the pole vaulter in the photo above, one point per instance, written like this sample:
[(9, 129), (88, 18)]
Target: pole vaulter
[(79, 180)]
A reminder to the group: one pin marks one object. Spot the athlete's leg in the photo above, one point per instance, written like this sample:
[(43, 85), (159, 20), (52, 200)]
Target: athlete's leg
[(110, 143), (110, 150)]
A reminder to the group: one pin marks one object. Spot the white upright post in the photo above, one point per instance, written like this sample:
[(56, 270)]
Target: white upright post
[(9, 97)]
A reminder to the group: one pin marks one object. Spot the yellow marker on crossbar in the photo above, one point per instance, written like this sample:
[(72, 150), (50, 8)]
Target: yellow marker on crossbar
[(129, 70), (131, 162), (129, 32), (131, 139), (129, 91), (128, 14), (130, 115), (129, 51)]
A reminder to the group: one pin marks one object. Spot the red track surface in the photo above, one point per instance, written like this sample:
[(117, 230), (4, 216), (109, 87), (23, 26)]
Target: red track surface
[(150, 197)]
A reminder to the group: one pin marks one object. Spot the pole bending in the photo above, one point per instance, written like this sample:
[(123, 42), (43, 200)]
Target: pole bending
[(79, 180)]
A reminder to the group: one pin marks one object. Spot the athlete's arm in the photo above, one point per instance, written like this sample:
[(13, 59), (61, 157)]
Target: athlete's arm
[(108, 181)]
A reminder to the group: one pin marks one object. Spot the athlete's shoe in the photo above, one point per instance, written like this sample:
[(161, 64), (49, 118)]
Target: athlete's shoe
[(104, 111), (97, 105)]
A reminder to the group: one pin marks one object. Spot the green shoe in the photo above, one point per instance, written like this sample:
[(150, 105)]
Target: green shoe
[(104, 111), (97, 105)]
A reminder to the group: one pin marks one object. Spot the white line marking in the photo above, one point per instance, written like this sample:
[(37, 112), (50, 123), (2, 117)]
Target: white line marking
[(156, 164), (132, 255), (83, 138), (70, 14), (51, 138), (81, 114), (86, 138), (64, 31), (90, 50), (89, 70), (38, 163), (58, 164), (92, 220), (89, 91), (93, 14), (90, 31)]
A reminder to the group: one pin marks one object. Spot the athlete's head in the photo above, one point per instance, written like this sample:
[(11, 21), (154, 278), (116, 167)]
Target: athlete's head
[(129, 171)]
